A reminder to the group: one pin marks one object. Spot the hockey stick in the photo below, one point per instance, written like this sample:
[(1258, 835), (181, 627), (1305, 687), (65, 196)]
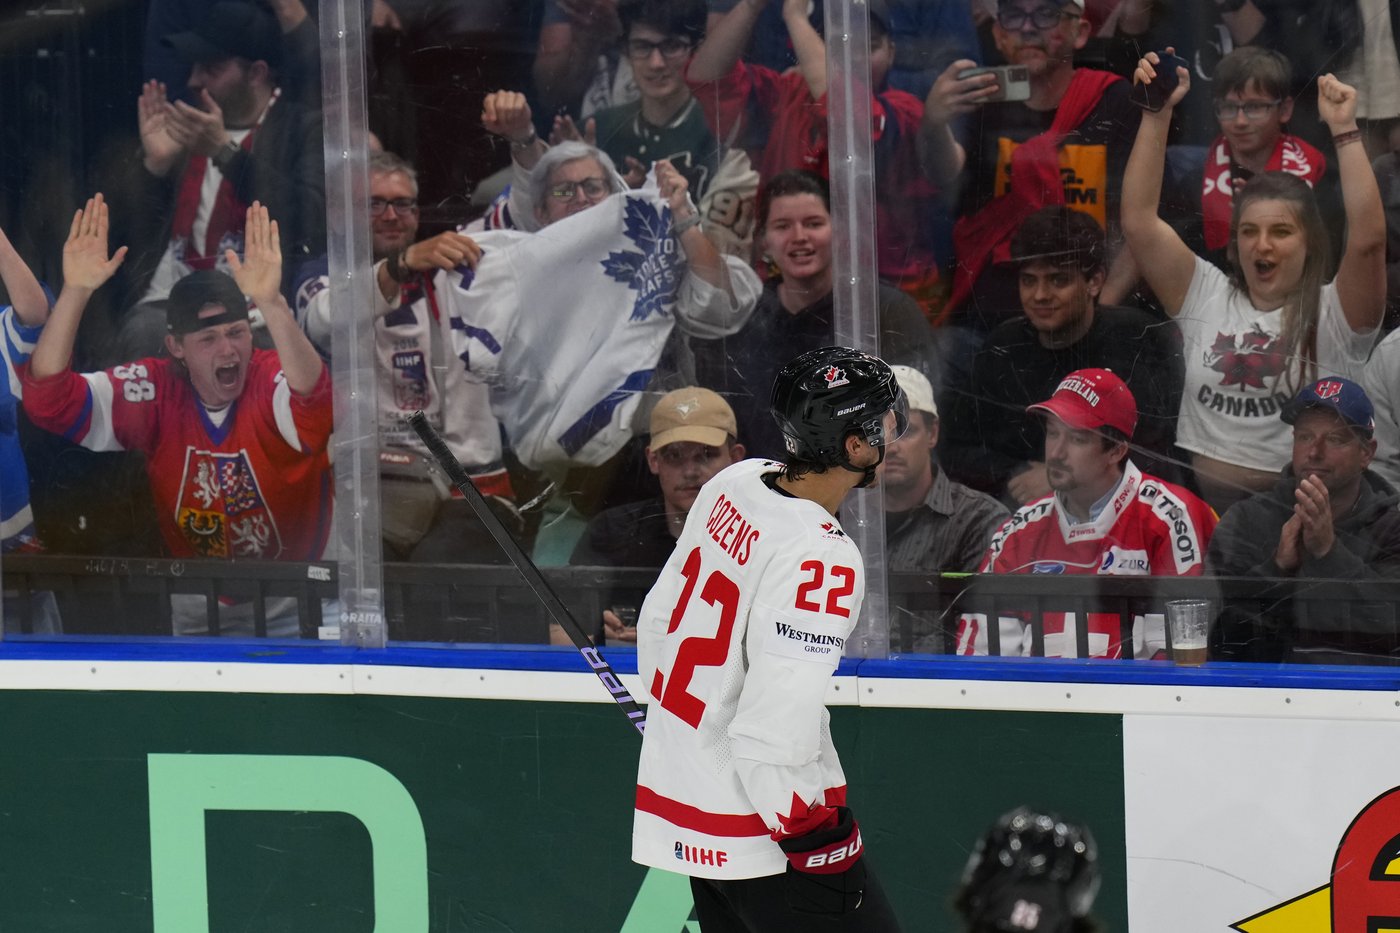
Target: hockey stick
[(556, 608)]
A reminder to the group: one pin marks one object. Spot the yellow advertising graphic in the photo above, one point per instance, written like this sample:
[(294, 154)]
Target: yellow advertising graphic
[(1083, 172), (1364, 896)]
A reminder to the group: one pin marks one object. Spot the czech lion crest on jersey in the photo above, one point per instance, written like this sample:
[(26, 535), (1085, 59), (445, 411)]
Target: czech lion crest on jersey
[(221, 511)]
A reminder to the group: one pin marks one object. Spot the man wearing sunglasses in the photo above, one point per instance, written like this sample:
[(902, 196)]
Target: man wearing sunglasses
[(1066, 143)]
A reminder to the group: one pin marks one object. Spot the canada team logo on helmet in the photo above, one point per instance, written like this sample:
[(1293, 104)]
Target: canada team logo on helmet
[(822, 396)]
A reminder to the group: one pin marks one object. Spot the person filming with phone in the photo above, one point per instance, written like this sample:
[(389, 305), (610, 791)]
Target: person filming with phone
[(1012, 146)]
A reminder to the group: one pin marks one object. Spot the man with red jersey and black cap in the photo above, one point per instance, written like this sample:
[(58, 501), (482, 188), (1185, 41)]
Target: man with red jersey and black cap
[(1104, 516), (234, 437), (1330, 516)]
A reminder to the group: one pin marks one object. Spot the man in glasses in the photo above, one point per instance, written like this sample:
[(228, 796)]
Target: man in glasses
[(1067, 143), (422, 519), (1253, 107), (667, 122), (575, 186)]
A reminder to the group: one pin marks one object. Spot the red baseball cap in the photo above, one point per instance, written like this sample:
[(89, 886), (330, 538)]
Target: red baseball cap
[(1089, 399)]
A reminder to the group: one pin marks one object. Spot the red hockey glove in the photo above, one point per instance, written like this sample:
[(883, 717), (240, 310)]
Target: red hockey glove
[(825, 874)]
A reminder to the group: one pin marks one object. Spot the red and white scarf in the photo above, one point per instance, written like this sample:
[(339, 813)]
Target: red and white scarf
[(1223, 177), (227, 215)]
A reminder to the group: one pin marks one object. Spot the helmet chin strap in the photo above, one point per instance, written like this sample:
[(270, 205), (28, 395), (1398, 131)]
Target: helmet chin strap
[(867, 473)]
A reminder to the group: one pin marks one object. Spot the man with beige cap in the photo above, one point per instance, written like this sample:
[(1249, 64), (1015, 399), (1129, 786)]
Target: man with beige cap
[(693, 437), (932, 523)]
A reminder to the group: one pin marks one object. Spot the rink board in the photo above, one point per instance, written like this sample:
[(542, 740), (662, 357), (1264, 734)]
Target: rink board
[(306, 779)]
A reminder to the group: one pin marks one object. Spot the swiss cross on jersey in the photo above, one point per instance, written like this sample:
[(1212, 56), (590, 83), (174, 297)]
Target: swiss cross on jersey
[(221, 511)]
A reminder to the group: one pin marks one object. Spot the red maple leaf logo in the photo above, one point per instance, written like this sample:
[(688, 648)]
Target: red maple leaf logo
[(1247, 360)]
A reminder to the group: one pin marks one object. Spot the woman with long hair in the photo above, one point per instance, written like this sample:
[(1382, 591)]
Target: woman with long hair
[(1275, 323)]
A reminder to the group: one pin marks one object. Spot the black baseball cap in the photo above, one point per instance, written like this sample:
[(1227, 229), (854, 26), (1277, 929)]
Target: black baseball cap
[(197, 291), (1335, 394), (879, 15), (230, 29)]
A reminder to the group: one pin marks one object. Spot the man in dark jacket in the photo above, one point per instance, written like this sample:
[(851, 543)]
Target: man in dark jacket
[(692, 438), (201, 166), (990, 441), (1329, 517)]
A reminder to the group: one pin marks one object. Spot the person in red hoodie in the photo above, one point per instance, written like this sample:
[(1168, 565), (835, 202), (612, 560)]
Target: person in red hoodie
[(781, 119)]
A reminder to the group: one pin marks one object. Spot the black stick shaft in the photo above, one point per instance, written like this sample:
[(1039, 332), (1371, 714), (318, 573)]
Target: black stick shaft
[(543, 591)]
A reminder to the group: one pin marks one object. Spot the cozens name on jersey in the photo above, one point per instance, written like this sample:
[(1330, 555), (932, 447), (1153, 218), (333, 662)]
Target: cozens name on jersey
[(731, 531)]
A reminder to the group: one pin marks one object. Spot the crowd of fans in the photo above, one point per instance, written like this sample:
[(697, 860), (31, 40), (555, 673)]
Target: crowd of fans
[(1143, 274)]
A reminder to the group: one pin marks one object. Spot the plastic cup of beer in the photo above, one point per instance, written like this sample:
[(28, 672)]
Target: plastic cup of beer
[(1190, 621)]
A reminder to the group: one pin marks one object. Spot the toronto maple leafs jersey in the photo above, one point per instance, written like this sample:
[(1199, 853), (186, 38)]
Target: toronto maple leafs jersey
[(1147, 528), (257, 486), (736, 644), (416, 371), (16, 517), (1236, 378), (566, 325)]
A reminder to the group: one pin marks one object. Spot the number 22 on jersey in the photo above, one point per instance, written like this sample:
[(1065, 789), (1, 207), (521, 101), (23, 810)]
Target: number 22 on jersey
[(671, 690)]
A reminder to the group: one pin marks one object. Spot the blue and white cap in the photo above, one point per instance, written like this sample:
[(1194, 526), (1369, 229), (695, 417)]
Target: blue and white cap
[(1336, 394)]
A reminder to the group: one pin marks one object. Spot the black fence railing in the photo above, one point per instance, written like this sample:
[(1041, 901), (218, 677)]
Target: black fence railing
[(1257, 619)]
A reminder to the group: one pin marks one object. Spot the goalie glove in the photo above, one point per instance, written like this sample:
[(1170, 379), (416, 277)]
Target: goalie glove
[(825, 873)]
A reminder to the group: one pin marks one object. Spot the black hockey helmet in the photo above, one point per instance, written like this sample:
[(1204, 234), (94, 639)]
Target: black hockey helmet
[(824, 395), (1030, 870)]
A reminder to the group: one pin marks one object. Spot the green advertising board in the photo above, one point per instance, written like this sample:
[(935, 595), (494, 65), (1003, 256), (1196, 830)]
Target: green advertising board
[(181, 812)]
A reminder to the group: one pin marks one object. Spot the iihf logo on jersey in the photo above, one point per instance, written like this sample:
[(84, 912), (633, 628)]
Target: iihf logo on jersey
[(221, 511), (410, 380), (655, 272), (715, 857), (835, 376)]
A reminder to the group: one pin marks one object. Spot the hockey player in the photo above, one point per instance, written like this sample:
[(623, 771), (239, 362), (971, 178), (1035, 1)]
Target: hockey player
[(1105, 516), (739, 785)]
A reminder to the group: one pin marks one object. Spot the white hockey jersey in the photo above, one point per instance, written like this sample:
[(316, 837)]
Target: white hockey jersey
[(736, 644), (566, 325), (416, 371)]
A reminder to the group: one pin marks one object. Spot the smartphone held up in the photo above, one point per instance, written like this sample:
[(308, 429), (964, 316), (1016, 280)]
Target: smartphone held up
[(1013, 82), (1153, 95)]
